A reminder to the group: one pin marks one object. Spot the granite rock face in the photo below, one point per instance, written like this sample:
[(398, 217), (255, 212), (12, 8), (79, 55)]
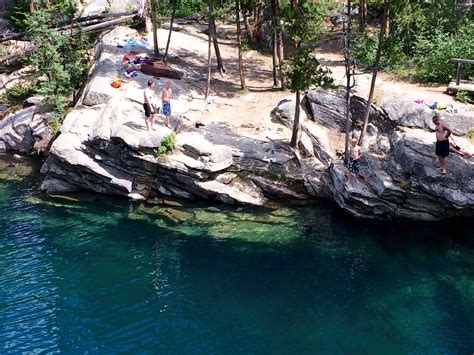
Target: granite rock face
[(104, 147), (26, 131), (398, 173), (107, 151)]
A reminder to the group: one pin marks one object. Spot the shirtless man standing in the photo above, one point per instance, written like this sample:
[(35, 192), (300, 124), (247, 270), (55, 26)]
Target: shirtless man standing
[(166, 96), (442, 142), (355, 155), (148, 95)]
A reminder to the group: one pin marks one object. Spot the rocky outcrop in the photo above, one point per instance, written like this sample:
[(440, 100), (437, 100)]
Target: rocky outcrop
[(398, 173), (26, 131), (108, 154), (104, 147), (404, 112)]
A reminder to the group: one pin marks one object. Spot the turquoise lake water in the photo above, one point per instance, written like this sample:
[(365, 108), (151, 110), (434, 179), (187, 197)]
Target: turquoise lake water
[(105, 275)]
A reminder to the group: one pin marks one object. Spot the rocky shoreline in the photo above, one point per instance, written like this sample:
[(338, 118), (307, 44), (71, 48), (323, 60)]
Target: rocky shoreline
[(103, 147)]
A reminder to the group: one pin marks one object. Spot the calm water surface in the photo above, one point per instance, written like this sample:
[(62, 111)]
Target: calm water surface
[(108, 276)]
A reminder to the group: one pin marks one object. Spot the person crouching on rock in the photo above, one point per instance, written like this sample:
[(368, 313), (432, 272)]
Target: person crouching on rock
[(457, 149), (442, 142), (354, 160), (166, 96), (148, 95)]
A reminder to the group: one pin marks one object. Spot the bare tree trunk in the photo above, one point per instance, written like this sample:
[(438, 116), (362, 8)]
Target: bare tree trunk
[(348, 64), (374, 73), (277, 43), (280, 60), (296, 122), (209, 59), (239, 44), (275, 59), (220, 64), (248, 33), (213, 33), (175, 3), (362, 12), (153, 21)]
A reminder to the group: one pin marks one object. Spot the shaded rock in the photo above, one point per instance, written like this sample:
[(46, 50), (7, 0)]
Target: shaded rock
[(328, 109), (225, 178), (243, 194), (315, 177), (25, 131), (277, 190), (306, 145), (321, 145), (35, 100)]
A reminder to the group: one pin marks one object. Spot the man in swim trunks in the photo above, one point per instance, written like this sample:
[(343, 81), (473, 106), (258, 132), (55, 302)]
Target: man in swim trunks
[(166, 96), (148, 95), (442, 142), (355, 155)]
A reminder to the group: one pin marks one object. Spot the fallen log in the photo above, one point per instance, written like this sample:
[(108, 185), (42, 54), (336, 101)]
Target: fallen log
[(106, 24), (13, 36), (86, 29), (89, 20), (29, 49), (101, 16)]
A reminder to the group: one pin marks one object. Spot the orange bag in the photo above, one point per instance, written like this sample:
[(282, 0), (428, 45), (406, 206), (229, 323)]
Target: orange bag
[(117, 83)]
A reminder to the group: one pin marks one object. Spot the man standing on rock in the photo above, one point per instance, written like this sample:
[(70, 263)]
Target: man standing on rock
[(442, 142), (355, 155), (166, 96), (148, 95)]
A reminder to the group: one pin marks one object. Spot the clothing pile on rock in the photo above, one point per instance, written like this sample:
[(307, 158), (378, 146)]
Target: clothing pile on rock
[(134, 44), (134, 64), (437, 105)]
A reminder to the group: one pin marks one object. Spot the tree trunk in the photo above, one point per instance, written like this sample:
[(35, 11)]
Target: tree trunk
[(248, 33), (241, 64), (348, 63), (280, 54), (274, 59), (171, 29), (293, 4), (153, 21), (209, 59), (362, 12), (220, 64), (296, 122), (374, 73), (280, 50)]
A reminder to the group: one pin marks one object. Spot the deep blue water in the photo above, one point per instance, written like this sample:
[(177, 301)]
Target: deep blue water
[(105, 275)]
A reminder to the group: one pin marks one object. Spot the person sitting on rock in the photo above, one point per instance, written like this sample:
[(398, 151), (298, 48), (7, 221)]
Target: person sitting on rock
[(148, 95), (354, 159), (166, 96), (442, 142), (453, 147)]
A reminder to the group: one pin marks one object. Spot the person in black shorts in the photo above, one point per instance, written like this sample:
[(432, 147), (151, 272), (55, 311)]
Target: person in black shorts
[(355, 155), (148, 95), (442, 142)]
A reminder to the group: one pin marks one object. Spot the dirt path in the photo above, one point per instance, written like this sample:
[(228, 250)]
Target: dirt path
[(252, 109), (249, 110)]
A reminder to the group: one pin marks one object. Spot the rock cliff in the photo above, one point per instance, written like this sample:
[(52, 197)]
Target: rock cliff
[(103, 146), (398, 173)]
